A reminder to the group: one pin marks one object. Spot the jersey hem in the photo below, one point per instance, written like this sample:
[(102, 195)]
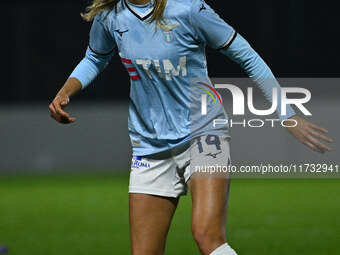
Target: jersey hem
[(159, 150)]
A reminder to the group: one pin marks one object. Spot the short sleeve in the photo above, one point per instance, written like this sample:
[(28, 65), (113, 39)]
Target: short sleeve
[(209, 27), (101, 40)]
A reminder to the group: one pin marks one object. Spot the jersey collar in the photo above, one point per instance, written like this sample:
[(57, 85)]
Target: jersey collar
[(141, 16)]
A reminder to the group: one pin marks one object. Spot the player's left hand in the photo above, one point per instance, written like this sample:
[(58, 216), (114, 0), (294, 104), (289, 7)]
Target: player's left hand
[(306, 133)]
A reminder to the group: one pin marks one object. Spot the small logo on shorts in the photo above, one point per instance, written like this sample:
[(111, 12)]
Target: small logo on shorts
[(214, 155), (137, 163)]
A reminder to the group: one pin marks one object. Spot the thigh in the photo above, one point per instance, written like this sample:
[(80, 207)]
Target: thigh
[(209, 183), (209, 203), (150, 218)]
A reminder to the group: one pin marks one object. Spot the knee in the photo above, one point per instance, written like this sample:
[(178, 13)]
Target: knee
[(208, 236)]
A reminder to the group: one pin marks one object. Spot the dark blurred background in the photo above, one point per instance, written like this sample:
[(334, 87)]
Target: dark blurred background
[(57, 194), (42, 41)]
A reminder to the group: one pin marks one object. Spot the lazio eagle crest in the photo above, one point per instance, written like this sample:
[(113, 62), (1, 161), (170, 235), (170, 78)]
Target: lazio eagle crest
[(167, 31)]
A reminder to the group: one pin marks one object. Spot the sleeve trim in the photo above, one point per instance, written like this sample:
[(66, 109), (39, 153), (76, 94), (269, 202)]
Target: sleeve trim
[(101, 54), (230, 41)]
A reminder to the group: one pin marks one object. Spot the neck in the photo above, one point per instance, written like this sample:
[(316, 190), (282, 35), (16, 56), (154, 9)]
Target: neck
[(139, 2)]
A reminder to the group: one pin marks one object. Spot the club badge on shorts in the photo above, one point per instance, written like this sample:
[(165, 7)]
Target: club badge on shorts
[(167, 31)]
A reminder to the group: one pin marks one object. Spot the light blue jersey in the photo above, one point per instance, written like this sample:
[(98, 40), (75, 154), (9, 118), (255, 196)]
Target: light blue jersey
[(162, 62)]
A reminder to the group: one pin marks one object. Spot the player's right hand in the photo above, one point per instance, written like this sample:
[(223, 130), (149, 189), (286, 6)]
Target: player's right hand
[(57, 112)]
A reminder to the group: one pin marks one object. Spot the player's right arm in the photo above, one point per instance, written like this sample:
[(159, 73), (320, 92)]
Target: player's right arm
[(71, 87), (99, 53)]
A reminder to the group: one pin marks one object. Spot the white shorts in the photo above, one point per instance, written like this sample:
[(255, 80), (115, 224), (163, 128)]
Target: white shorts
[(167, 173)]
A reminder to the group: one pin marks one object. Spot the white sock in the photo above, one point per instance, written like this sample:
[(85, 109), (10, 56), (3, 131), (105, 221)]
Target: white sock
[(224, 249)]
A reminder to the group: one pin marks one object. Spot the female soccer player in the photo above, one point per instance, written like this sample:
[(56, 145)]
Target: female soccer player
[(162, 44)]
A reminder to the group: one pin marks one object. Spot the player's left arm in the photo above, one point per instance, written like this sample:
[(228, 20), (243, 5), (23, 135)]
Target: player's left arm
[(210, 29), (306, 132)]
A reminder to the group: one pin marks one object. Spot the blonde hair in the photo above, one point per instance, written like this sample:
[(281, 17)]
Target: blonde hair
[(98, 6)]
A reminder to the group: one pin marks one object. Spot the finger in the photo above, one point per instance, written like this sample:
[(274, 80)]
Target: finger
[(56, 116), (53, 112), (316, 127), (319, 144), (321, 136), (64, 120), (51, 107), (67, 120), (61, 119), (56, 104), (63, 103), (311, 146)]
